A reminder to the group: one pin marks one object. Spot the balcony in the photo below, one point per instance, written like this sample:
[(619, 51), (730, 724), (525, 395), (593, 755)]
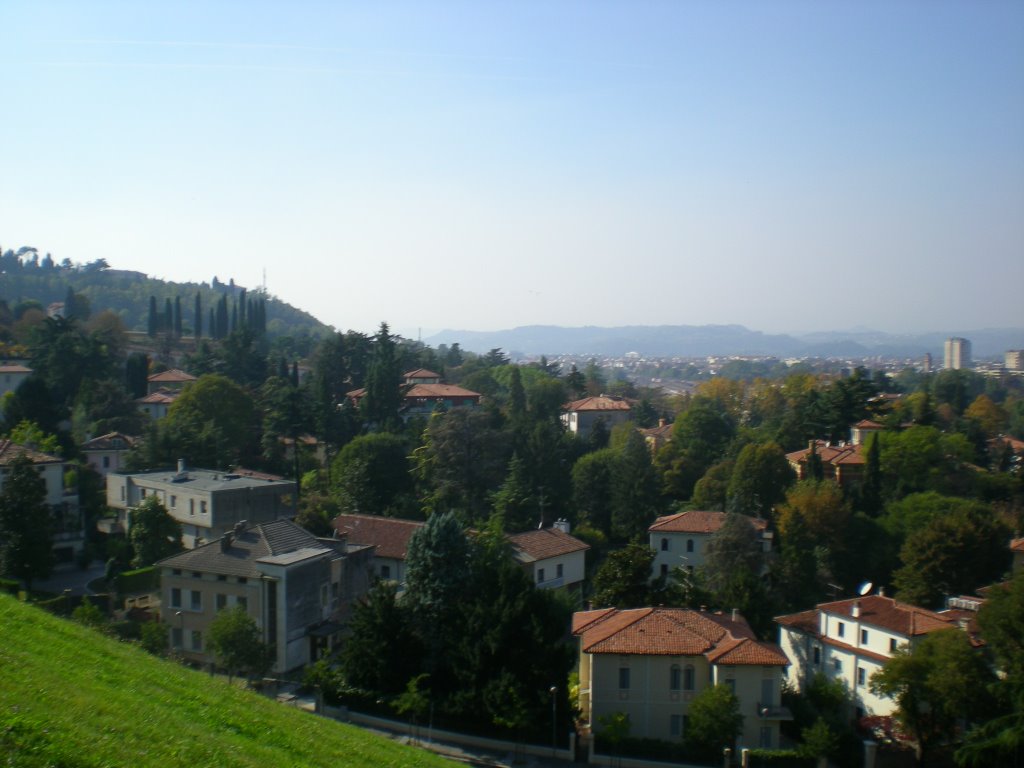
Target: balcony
[(773, 712)]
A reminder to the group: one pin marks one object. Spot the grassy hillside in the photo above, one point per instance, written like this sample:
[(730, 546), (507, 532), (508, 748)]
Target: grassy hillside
[(71, 697)]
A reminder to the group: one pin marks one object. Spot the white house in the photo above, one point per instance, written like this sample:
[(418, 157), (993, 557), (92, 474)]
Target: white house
[(107, 453), (682, 539), (551, 556), (650, 663), (850, 640), (580, 416), (11, 377)]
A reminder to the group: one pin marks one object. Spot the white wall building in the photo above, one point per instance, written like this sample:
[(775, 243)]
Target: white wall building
[(682, 539)]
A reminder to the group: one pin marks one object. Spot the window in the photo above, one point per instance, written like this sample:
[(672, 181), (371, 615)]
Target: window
[(191, 506), (817, 655), (540, 575), (862, 676), (197, 600), (675, 678), (385, 571), (176, 597), (202, 507), (623, 678), (863, 637), (197, 640), (840, 628), (242, 602), (143, 493), (176, 571), (197, 574), (174, 501), (221, 577), (664, 545), (122, 493), (242, 580), (767, 692), (892, 644), (837, 665), (222, 602), (559, 571), (675, 725), (106, 462), (730, 683), (689, 545), (664, 570), (688, 678), (176, 637)]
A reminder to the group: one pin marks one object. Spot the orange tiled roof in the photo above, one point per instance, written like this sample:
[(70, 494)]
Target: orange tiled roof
[(868, 424), (438, 390), (160, 397), (389, 534), (878, 611), (696, 521), (112, 441), (1017, 545), (601, 403), (663, 431), (544, 543), (14, 368), (673, 632), (421, 373), (173, 375), (9, 451), (830, 454)]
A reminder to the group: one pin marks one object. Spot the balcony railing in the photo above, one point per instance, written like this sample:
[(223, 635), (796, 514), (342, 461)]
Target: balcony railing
[(773, 712)]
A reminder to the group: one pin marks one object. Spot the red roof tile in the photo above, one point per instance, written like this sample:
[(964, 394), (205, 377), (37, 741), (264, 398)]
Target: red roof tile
[(438, 390), (544, 543), (696, 521), (421, 373), (601, 403), (673, 632), (389, 534), (878, 611), (173, 375), (10, 451), (830, 454)]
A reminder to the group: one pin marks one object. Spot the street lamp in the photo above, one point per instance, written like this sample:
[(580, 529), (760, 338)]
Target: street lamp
[(554, 703)]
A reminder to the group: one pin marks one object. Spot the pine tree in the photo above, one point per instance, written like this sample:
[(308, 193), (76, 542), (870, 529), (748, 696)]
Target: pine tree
[(383, 398)]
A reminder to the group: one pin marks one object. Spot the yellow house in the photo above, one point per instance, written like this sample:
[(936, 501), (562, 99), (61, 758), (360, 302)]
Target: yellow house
[(650, 663)]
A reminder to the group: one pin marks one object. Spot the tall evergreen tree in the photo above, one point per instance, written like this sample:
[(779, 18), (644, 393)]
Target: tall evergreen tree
[(177, 317), (383, 398), (167, 323), (26, 524), (197, 318), (153, 324)]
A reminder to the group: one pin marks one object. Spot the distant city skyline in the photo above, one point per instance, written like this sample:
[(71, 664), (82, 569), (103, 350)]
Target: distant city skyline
[(786, 166)]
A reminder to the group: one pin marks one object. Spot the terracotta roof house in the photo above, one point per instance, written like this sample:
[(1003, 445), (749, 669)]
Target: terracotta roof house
[(11, 377), (651, 662), (423, 393), (656, 437), (850, 640), (69, 536), (842, 463), (580, 416), (682, 539), (297, 588), (551, 556), (1017, 548), (156, 404), (206, 502), (389, 535), (107, 453), (172, 379)]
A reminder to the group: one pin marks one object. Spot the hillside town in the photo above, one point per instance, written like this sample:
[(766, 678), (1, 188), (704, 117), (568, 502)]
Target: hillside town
[(804, 561)]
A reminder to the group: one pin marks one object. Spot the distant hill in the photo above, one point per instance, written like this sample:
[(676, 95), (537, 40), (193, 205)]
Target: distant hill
[(705, 340), (26, 277), (73, 697)]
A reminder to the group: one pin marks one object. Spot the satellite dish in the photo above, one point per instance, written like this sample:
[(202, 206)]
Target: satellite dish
[(865, 588)]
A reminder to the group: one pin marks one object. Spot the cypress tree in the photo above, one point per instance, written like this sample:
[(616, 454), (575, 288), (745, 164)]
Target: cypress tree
[(242, 307), (177, 317), (197, 322), (212, 325), (153, 324), (168, 319)]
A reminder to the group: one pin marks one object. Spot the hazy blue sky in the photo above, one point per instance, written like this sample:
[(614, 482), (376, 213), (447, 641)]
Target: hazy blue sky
[(784, 165)]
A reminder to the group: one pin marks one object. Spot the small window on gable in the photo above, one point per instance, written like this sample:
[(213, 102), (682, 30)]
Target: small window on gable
[(863, 637), (623, 678), (893, 644), (540, 575), (840, 628), (559, 571), (689, 545), (664, 545), (664, 569)]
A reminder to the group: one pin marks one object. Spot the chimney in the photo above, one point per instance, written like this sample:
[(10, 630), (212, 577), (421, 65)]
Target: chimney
[(181, 466), (881, 591), (661, 422), (855, 609), (735, 614), (240, 526), (225, 542), (562, 524)]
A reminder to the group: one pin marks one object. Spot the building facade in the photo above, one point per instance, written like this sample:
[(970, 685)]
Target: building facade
[(581, 416), (956, 353), (681, 540), (552, 558), (206, 502), (297, 589), (651, 663), (850, 640)]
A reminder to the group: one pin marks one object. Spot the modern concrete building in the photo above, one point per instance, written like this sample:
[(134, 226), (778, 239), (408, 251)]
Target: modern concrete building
[(297, 588), (1013, 360), (956, 353), (207, 503)]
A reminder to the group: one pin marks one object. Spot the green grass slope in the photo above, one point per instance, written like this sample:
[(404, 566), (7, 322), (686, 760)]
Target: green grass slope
[(71, 697)]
